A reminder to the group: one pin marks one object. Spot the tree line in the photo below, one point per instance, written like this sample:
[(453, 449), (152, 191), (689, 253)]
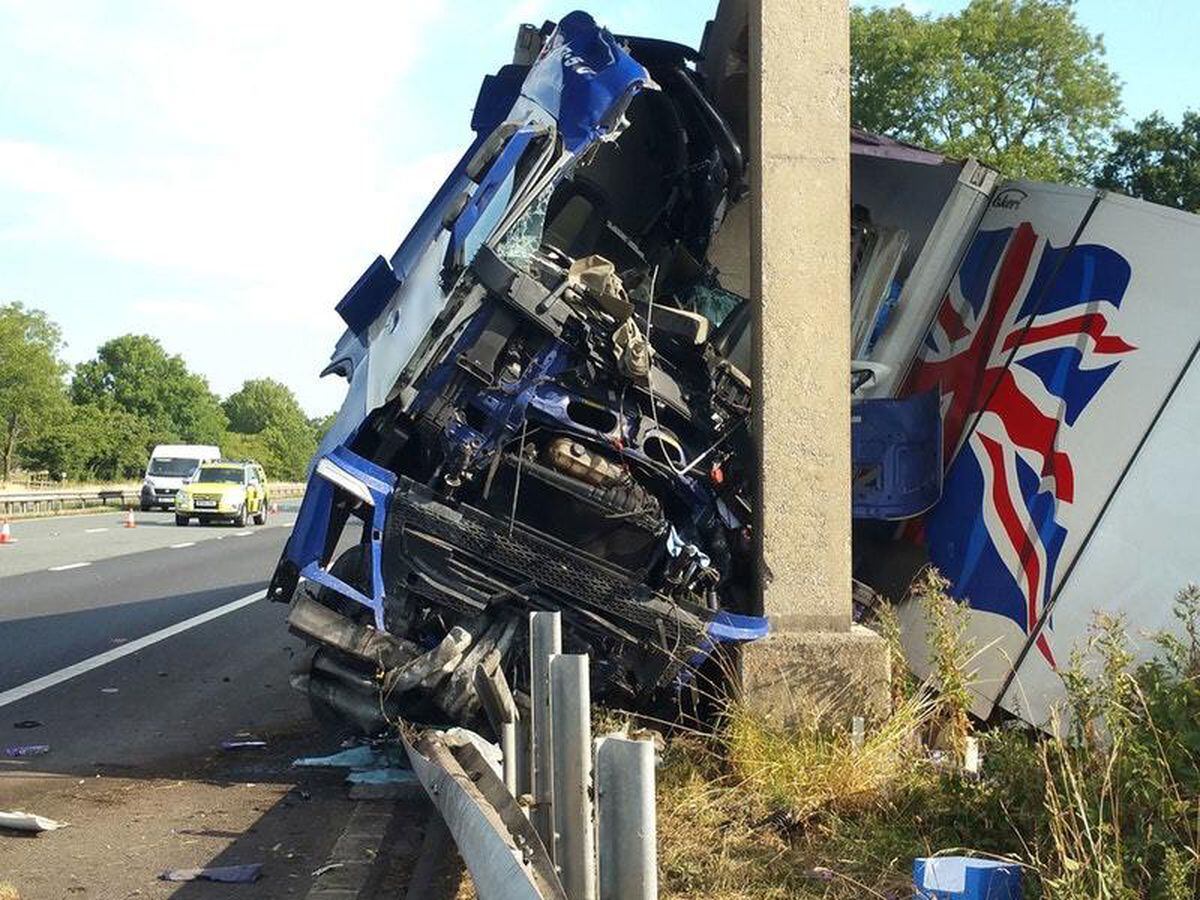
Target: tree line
[(1022, 86), (100, 421), (1019, 84)]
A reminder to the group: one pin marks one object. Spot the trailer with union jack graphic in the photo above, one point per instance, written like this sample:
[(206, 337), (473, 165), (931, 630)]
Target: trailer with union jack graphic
[(1060, 359)]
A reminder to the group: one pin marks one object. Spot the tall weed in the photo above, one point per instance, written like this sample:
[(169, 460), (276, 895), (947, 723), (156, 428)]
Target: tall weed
[(1123, 778)]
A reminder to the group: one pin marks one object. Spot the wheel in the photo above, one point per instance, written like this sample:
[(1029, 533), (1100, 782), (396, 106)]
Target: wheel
[(146, 507), (260, 517), (240, 519), (180, 520)]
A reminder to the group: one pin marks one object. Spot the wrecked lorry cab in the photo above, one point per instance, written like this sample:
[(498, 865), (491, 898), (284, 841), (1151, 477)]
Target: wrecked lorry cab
[(548, 400)]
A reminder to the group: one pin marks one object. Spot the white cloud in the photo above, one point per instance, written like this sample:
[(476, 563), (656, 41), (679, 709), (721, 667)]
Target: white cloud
[(250, 150)]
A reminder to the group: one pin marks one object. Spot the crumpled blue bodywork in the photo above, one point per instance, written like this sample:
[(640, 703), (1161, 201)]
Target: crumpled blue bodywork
[(581, 83), (584, 80)]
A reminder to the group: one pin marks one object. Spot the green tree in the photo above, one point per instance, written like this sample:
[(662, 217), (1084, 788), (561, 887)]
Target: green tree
[(135, 373), (261, 402), (31, 378), (1019, 84), (101, 442), (1158, 161), (321, 424), (268, 425)]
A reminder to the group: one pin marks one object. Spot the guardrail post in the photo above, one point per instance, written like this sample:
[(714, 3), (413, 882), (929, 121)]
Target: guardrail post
[(545, 640), (625, 819), (524, 761), (571, 711), (508, 751)]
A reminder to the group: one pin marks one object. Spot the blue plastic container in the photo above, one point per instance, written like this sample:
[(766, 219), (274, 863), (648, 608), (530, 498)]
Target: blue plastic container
[(964, 878)]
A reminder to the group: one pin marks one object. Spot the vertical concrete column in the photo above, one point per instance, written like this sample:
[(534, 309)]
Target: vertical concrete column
[(815, 662), (800, 221)]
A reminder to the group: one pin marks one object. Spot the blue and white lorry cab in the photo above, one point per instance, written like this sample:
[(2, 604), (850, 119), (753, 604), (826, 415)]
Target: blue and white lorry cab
[(548, 395)]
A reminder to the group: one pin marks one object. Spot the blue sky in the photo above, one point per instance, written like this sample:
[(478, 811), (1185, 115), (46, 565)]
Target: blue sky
[(217, 173)]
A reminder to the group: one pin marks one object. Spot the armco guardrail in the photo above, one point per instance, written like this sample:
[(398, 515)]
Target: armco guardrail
[(590, 832), (41, 503)]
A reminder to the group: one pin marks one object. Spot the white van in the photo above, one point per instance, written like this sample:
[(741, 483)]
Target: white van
[(170, 466)]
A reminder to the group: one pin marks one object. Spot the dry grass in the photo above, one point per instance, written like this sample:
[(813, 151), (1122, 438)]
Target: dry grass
[(1107, 810), (758, 818), (769, 811), (802, 770), (8, 892)]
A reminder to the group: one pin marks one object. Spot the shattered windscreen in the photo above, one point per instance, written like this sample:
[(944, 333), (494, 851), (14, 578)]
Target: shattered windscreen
[(713, 302), (524, 238)]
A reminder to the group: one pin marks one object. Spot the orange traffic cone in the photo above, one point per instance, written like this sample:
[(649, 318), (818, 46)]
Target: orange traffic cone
[(129, 520), (6, 533), (274, 508)]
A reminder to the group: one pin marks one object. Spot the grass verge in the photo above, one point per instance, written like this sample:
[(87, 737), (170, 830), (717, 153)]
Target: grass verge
[(1108, 810)]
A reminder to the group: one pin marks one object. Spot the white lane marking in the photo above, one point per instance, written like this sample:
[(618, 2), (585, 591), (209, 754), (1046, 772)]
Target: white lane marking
[(242, 533), (79, 565), (94, 530), (102, 659), (181, 546)]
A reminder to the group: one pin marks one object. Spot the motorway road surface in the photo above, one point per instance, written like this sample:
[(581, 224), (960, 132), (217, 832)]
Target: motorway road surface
[(133, 653)]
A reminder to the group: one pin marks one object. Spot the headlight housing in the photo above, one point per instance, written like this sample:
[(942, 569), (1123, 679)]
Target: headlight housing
[(183, 498)]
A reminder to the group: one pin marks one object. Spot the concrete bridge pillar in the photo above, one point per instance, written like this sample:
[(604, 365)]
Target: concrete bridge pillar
[(799, 124)]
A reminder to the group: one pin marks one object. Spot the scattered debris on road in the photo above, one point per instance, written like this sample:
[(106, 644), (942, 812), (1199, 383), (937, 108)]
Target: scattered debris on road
[(22, 750), (363, 756), (243, 744), (23, 821), (381, 776), (242, 874), (378, 770)]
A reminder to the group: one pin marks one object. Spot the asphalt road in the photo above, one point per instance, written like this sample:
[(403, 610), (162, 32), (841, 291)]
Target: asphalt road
[(79, 541), (133, 668)]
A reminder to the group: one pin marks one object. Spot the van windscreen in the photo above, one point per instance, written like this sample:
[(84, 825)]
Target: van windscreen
[(168, 467)]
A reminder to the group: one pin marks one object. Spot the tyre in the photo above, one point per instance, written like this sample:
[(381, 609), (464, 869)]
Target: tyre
[(352, 567), (260, 517), (240, 519), (180, 520), (146, 507)]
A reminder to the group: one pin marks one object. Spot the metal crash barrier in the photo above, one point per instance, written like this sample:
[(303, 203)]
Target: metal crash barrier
[(524, 823), (39, 503)]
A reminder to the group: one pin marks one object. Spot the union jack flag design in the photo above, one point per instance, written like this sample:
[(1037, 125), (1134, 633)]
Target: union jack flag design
[(998, 530)]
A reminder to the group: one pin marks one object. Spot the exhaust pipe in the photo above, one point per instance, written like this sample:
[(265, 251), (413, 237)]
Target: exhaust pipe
[(316, 620), (352, 696)]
